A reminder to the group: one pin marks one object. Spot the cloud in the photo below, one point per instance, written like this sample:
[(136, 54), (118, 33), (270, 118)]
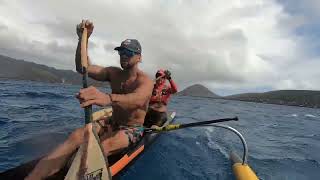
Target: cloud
[(3, 27), (234, 45), (109, 47)]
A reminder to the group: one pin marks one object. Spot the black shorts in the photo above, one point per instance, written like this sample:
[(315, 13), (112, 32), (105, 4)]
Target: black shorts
[(155, 118)]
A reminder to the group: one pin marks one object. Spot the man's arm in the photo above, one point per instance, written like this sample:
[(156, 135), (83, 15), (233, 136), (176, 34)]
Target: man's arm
[(95, 72), (136, 99), (78, 58), (79, 29), (173, 87)]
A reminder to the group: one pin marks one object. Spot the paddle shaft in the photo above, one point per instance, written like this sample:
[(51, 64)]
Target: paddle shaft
[(84, 63), (171, 127), (97, 151)]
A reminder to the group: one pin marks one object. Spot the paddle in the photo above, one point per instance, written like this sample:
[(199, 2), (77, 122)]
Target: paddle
[(84, 63), (89, 162), (171, 127)]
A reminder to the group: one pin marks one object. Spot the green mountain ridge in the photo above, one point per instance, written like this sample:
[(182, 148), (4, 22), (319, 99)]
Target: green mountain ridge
[(11, 68), (303, 98)]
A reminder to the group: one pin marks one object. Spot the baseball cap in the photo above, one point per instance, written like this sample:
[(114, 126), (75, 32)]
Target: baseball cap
[(130, 44)]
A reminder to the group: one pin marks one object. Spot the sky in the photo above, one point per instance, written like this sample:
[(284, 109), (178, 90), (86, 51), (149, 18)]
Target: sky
[(231, 47)]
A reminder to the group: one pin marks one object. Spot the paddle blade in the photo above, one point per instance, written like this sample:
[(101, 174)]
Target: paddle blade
[(89, 162)]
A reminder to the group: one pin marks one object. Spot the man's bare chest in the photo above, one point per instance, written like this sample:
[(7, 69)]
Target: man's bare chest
[(124, 86)]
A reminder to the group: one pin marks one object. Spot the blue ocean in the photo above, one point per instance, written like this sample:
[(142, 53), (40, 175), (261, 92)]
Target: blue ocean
[(283, 141)]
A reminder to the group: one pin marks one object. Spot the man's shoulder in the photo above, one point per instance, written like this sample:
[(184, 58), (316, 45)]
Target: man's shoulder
[(113, 71)]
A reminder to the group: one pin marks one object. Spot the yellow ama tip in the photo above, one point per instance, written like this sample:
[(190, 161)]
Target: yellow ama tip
[(243, 172)]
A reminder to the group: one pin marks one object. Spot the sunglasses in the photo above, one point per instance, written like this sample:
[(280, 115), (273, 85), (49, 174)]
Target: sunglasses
[(126, 52)]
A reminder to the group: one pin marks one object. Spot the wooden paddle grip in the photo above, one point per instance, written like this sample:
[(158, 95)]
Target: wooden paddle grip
[(84, 54)]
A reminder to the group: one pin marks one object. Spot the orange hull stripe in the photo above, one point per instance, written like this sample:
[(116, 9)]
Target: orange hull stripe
[(124, 161)]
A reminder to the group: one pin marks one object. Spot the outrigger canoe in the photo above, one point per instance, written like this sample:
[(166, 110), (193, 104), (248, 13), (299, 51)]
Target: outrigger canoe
[(117, 163)]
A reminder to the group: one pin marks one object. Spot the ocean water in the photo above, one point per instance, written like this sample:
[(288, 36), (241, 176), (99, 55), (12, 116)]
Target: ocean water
[(283, 141)]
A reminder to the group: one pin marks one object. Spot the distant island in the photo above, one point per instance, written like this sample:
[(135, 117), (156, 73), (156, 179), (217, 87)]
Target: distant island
[(198, 90), (23, 70), (302, 98)]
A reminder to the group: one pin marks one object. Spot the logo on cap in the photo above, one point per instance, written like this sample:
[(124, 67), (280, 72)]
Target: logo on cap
[(127, 42)]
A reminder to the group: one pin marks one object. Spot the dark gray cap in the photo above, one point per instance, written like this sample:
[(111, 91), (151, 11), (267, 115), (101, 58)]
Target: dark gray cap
[(130, 44)]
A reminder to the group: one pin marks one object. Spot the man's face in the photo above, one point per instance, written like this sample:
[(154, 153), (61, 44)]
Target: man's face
[(128, 58)]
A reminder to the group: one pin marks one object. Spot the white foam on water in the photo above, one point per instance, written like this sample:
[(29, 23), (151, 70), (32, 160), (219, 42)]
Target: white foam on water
[(209, 129), (212, 144), (310, 115), (292, 115)]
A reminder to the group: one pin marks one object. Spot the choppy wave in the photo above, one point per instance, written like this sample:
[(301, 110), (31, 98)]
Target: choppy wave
[(286, 168), (42, 106), (3, 121), (293, 115), (34, 95)]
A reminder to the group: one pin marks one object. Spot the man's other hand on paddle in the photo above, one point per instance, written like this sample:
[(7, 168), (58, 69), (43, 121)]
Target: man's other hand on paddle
[(92, 96)]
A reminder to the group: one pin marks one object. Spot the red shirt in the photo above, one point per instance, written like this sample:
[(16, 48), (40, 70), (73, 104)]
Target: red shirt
[(161, 93)]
